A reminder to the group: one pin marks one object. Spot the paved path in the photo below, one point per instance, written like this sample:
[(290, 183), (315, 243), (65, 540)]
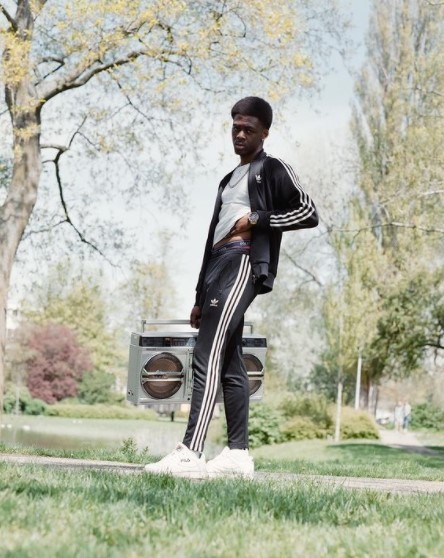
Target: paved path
[(396, 486), (406, 441)]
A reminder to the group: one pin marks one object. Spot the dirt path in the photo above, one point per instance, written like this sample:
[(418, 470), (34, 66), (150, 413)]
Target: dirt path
[(395, 486)]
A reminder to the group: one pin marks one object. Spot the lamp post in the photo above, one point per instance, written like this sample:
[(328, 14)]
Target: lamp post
[(358, 381)]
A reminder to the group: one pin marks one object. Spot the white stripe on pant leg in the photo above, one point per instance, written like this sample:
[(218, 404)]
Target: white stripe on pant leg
[(213, 363), (215, 356), (212, 370)]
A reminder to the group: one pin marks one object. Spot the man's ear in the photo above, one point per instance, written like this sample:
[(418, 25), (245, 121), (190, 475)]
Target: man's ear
[(264, 134)]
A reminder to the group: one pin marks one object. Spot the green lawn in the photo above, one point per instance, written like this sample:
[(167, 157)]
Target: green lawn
[(47, 512), (61, 513), (362, 458), (357, 459)]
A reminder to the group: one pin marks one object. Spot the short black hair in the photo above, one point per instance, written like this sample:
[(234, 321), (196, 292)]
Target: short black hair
[(254, 106)]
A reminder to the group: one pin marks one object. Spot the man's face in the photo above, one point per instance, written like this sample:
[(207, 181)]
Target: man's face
[(248, 133)]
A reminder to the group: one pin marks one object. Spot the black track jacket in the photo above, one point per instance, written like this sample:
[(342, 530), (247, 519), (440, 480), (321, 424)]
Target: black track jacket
[(282, 205)]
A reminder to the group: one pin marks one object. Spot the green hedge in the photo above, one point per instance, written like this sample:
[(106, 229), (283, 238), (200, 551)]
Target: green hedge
[(357, 425), (306, 417), (313, 406), (264, 426), (27, 405), (302, 428), (427, 416), (99, 412)]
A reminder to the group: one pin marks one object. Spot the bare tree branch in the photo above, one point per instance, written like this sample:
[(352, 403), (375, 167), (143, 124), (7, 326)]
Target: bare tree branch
[(9, 17), (393, 224), (431, 193), (53, 146), (60, 151), (81, 75), (309, 273), (43, 230)]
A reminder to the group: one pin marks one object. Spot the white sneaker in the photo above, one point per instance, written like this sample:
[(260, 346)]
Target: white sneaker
[(181, 462), (231, 463)]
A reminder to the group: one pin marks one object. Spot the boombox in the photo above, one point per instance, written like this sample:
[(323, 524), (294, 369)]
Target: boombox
[(160, 364)]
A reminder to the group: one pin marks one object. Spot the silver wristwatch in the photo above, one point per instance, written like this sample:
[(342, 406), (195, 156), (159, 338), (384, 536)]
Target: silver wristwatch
[(253, 218)]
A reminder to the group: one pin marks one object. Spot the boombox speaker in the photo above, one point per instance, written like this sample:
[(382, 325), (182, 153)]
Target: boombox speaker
[(160, 364)]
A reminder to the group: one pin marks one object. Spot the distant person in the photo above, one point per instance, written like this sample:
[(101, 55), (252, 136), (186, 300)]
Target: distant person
[(399, 416), (407, 412), (256, 202)]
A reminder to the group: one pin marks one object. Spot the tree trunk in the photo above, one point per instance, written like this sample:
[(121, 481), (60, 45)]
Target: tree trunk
[(24, 108)]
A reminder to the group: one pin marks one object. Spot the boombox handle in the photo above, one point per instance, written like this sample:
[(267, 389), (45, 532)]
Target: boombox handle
[(180, 322)]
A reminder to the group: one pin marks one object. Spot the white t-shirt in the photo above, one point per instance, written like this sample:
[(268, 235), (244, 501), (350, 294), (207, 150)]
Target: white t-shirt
[(235, 202)]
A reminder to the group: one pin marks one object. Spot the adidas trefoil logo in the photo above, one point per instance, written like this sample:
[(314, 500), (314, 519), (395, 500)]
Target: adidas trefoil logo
[(214, 302), (258, 178)]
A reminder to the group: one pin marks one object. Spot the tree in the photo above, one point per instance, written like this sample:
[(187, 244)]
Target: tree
[(398, 128), (66, 299), (57, 364), (148, 293), (98, 387), (52, 50), (411, 326)]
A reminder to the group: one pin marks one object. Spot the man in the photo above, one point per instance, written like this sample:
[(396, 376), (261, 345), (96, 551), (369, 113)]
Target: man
[(407, 415), (256, 202)]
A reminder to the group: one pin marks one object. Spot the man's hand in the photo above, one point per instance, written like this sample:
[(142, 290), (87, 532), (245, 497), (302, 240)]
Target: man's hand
[(196, 313), (241, 225)]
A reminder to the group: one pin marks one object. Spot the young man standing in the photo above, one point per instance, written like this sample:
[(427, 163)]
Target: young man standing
[(256, 202)]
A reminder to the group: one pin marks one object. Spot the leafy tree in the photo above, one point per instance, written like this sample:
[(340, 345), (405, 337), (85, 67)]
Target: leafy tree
[(111, 61), (98, 387), (387, 300), (412, 324), (148, 293), (65, 299), (398, 129), (57, 364)]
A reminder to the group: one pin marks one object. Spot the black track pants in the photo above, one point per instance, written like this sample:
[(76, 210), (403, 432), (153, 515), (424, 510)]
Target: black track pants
[(228, 292)]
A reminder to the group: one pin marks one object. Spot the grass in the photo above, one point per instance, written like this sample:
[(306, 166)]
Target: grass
[(315, 457), (60, 513), (50, 512), (355, 459)]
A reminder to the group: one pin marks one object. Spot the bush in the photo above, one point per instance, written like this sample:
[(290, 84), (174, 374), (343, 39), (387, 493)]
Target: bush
[(35, 407), (27, 405), (314, 407), (99, 412), (302, 428), (97, 387), (306, 417), (356, 425), (427, 416), (264, 426)]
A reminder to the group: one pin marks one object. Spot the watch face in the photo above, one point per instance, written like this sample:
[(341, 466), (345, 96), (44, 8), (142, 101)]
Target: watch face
[(253, 218)]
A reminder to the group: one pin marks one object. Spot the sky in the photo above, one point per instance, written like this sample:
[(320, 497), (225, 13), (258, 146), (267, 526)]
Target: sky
[(304, 135)]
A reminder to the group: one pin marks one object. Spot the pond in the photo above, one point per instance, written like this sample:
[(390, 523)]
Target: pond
[(160, 437)]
